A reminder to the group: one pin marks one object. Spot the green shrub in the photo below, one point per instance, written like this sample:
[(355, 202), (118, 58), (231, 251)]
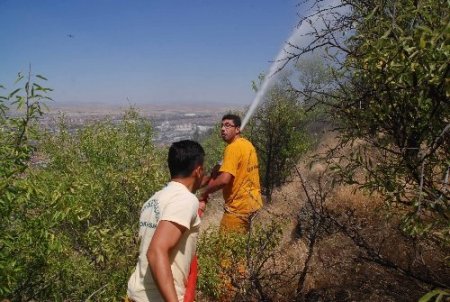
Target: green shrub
[(238, 266), (71, 230), (214, 147), (17, 208)]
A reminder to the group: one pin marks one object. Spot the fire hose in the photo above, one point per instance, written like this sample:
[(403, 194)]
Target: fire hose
[(189, 295)]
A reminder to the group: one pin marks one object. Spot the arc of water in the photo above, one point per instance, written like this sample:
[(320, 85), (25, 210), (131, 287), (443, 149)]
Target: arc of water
[(280, 60), (268, 80)]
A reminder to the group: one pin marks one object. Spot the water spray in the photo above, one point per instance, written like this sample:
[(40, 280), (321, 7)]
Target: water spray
[(285, 52), (277, 65)]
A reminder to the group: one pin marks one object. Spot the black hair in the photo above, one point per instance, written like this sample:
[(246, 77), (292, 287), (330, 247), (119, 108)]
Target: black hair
[(184, 157), (235, 118)]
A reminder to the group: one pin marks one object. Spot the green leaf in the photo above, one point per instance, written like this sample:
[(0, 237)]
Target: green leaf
[(437, 292), (387, 33), (372, 13), (20, 101), (13, 93), (423, 41), (41, 77), (19, 78)]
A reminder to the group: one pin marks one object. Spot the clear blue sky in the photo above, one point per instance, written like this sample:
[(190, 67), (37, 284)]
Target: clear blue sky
[(151, 51)]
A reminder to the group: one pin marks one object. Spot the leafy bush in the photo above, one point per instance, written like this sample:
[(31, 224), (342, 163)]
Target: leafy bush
[(69, 233), (397, 103), (17, 133), (239, 266), (389, 96), (214, 147)]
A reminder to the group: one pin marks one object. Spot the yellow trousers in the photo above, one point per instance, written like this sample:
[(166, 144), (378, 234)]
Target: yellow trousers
[(235, 222)]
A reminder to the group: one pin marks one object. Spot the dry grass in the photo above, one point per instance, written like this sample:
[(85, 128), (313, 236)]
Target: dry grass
[(361, 256), (344, 270)]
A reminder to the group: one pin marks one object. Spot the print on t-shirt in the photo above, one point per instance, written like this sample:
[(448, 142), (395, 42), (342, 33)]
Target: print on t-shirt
[(150, 214)]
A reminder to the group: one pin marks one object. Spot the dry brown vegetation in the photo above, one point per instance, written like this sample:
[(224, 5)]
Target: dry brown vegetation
[(341, 244)]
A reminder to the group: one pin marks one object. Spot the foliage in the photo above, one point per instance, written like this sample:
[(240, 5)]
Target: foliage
[(239, 266), (70, 228), (437, 295), (214, 147), (18, 132), (311, 75), (18, 127), (404, 94), (277, 132), (390, 99)]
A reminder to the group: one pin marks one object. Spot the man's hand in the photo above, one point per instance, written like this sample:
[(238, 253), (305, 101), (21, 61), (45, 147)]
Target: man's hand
[(214, 184), (215, 171), (204, 196), (202, 205), (213, 175)]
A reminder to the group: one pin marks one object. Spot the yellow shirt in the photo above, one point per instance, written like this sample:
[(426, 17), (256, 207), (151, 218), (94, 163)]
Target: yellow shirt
[(243, 194)]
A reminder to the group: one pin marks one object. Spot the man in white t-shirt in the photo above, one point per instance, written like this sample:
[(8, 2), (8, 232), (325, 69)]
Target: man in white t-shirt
[(168, 230)]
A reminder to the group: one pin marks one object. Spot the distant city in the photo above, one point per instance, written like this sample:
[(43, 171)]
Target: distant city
[(171, 122)]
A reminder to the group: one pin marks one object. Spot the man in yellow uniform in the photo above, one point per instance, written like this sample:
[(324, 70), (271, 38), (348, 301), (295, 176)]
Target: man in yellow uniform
[(238, 177)]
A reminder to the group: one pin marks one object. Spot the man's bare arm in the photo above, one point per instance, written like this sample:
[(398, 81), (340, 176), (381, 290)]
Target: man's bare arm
[(216, 184), (166, 237), (207, 178)]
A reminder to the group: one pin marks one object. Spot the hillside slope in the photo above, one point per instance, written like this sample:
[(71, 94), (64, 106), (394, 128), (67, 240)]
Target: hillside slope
[(339, 244)]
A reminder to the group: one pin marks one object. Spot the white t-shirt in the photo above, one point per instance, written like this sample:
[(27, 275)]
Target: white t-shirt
[(173, 203)]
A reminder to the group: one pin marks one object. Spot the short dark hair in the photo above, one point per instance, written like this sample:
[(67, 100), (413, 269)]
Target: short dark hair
[(235, 118), (184, 157)]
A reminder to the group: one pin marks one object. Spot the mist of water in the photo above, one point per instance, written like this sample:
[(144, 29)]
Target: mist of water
[(292, 45), (268, 81)]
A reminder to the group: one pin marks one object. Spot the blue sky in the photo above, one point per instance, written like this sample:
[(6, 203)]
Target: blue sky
[(153, 51)]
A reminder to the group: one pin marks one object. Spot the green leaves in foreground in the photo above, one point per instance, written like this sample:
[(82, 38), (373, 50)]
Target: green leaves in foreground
[(436, 295), (69, 230), (19, 112), (236, 266)]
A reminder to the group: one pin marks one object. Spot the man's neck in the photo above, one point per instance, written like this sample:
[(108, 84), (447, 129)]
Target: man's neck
[(235, 138), (188, 182)]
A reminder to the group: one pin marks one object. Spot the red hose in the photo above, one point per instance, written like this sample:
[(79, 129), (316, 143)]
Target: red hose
[(189, 295)]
